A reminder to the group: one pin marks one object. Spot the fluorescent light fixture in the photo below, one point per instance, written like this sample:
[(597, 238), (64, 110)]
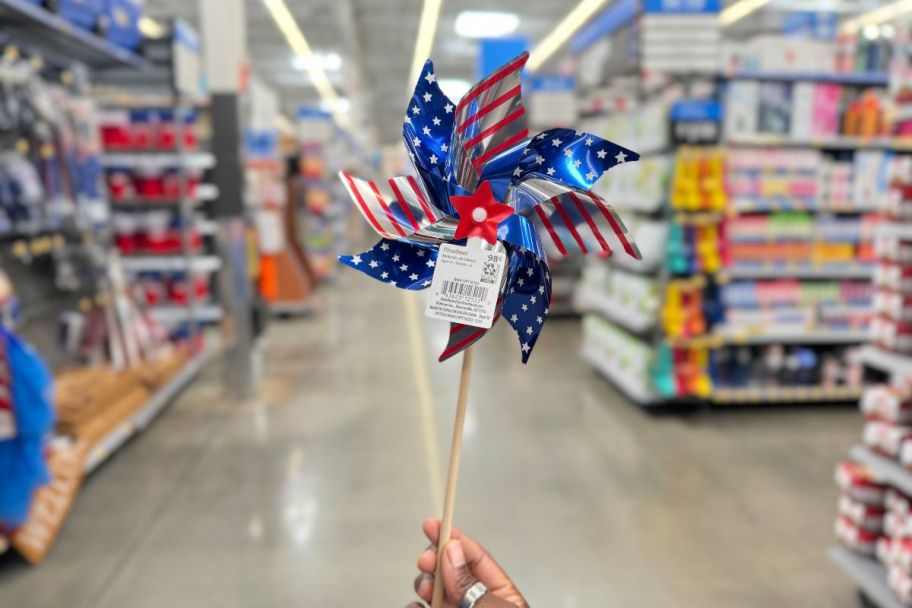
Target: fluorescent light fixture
[(454, 88), (424, 43), (151, 28), (486, 24), (298, 43), (325, 60), (739, 10), (341, 104), (574, 20), (877, 16)]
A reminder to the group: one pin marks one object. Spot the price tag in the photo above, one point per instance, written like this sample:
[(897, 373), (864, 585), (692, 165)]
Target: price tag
[(466, 284)]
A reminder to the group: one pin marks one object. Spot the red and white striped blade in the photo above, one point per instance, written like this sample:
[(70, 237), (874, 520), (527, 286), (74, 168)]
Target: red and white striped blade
[(572, 221), (490, 118), (396, 208)]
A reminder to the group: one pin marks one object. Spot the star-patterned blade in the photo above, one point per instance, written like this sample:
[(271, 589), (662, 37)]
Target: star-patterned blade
[(572, 157), (426, 131), (396, 263), (527, 298), (490, 119), (396, 209), (571, 220)]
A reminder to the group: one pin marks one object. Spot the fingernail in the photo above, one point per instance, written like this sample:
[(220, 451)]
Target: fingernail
[(455, 554)]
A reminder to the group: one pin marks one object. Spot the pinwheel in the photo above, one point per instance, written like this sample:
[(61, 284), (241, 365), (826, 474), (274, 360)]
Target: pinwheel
[(479, 174), (482, 183)]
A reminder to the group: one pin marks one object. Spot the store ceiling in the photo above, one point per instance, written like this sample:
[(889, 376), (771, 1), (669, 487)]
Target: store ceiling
[(375, 39)]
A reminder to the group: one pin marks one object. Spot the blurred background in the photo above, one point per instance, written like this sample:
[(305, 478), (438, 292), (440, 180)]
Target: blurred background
[(199, 406)]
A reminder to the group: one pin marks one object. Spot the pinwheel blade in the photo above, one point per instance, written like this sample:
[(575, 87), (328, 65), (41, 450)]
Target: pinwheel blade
[(396, 263), (396, 209), (572, 221), (574, 158), (527, 299), (490, 120)]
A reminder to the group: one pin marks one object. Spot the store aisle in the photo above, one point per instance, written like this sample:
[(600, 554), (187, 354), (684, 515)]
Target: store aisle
[(314, 495)]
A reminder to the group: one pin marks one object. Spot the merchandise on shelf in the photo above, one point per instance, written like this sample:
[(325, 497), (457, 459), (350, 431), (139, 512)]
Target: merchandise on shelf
[(149, 129), (847, 54), (776, 367)]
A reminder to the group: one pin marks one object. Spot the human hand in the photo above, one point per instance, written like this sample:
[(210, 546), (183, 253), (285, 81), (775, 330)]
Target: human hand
[(465, 563)]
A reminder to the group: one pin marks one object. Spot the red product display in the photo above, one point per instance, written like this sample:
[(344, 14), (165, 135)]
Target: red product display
[(885, 437), (866, 517), (892, 334), (857, 482), (856, 538), (887, 403)]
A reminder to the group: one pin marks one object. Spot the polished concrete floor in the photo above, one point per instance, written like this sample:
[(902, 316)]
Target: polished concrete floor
[(312, 496)]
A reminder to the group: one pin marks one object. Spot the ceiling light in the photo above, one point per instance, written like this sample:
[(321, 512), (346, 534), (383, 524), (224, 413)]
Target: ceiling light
[(562, 32), (298, 43), (151, 28), (340, 104), (486, 24), (326, 60), (871, 32), (740, 10), (454, 88), (424, 43), (877, 16)]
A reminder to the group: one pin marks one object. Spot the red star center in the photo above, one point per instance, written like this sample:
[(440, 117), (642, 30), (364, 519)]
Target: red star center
[(480, 214)]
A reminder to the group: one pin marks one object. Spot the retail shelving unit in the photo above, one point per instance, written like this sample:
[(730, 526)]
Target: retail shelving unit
[(135, 390), (629, 296)]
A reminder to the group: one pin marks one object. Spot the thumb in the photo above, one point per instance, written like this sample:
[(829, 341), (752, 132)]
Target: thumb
[(457, 579)]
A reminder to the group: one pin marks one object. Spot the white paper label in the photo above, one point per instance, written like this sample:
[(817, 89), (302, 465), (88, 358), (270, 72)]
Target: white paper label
[(466, 284)]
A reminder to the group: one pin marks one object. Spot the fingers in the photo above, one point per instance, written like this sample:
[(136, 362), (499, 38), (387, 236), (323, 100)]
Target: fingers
[(477, 558), (427, 561), (424, 586), (457, 578)]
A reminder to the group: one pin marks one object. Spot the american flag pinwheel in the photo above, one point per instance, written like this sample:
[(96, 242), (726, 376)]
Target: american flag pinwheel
[(478, 173)]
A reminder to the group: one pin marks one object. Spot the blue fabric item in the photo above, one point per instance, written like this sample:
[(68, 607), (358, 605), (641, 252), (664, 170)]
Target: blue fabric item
[(22, 465)]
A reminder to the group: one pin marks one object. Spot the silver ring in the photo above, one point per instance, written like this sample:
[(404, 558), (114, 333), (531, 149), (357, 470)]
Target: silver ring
[(471, 596)]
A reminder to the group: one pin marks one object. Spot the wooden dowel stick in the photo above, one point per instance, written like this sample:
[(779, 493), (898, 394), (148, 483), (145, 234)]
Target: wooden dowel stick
[(446, 524)]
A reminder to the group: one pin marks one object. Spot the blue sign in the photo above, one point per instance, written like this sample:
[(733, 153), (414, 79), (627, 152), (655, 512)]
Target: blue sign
[(692, 110), (681, 6), (313, 113), (819, 25), (619, 14), (552, 82), (494, 52)]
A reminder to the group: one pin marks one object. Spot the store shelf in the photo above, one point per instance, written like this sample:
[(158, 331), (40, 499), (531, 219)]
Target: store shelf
[(770, 205), (171, 263), (842, 142), (33, 25), (624, 381), (868, 574), (887, 468), (784, 394), (900, 366), (145, 415), (179, 314), (589, 299), (898, 230), (874, 79), (158, 160), (769, 335), (798, 271)]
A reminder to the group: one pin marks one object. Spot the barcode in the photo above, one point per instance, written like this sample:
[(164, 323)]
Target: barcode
[(464, 290)]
